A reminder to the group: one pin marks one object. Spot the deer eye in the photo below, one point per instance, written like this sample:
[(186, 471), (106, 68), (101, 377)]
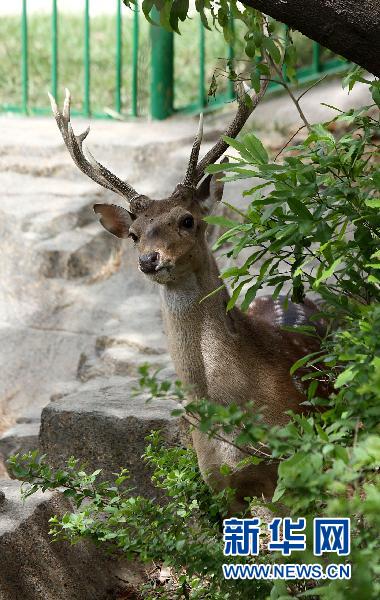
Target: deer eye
[(133, 236), (187, 222)]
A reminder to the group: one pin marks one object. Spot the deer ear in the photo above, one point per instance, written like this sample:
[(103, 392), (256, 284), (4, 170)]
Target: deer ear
[(115, 219), (210, 190)]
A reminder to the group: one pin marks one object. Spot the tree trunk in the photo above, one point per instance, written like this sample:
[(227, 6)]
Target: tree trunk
[(350, 28)]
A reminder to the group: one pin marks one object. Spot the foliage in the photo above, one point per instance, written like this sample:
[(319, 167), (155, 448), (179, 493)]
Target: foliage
[(184, 532), (318, 226), (313, 225), (328, 461)]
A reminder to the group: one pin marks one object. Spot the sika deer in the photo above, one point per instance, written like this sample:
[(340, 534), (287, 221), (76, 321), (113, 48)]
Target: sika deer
[(223, 356)]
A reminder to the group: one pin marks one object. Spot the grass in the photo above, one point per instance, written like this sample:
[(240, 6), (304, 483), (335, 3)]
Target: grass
[(103, 55), (103, 58)]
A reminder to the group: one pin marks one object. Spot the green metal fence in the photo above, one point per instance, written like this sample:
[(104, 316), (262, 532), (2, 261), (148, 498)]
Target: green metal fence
[(163, 97)]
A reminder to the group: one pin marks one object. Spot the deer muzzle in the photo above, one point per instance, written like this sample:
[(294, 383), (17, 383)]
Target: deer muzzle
[(148, 263)]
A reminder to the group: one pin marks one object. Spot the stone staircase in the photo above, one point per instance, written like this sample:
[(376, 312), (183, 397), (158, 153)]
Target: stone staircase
[(76, 321)]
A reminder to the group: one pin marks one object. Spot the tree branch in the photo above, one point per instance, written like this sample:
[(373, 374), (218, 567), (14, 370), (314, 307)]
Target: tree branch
[(347, 27), (291, 95)]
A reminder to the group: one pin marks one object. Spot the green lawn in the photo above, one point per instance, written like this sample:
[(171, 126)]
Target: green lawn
[(70, 48), (102, 39)]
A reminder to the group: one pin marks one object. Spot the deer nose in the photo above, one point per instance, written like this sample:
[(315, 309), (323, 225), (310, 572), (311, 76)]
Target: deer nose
[(148, 262)]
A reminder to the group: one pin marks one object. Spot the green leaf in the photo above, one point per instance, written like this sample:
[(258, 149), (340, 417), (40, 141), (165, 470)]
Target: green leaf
[(249, 296), (322, 434), (326, 273), (218, 289), (200, 7), (376, 179), (375, 91), (319, 591), (238, 146), (299, 209), (302, 361), (345, 377), (225, 470), (373, 279), (272, 49), (236, 293), (353, 76), (320, 134), (278, 493), (255, 80), (250, 48), (255, 148), (147, 6), (177, 412), (373, 202)]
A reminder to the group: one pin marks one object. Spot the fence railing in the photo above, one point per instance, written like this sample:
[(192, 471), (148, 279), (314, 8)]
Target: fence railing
[(162, 90)]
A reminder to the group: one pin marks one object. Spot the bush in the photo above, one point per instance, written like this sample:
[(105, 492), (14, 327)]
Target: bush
[(184, 532)]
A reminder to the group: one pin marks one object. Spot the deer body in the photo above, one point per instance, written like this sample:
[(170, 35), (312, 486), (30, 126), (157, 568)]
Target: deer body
[(226, 357), (230, 357)]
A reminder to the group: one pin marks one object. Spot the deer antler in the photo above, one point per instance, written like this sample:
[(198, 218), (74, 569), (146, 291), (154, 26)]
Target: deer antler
[(90, 166), (190, 173), (243, 112)]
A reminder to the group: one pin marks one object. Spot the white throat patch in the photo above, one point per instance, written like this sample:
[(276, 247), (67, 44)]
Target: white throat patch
[(181, 299)]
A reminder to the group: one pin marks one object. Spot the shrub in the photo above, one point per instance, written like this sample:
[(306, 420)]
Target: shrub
[(184, 532)]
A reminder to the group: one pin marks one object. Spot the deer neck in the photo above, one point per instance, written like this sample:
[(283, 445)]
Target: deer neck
[(200, 332)]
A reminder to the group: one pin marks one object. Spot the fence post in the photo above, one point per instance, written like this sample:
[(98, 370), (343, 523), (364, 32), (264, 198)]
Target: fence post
[(24, 58), (231, 55), (119, 50), (86, 59), (135, 61), (162, 79), (316, 57), (54, 49)]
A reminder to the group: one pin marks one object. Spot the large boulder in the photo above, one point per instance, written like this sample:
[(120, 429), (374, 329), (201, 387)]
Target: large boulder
[(34, 568), (106, 429)]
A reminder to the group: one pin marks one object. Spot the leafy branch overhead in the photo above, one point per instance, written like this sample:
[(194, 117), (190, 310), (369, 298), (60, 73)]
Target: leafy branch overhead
[(257, 31), (349, 29)]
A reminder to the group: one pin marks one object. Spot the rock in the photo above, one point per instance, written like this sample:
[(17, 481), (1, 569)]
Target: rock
[(77, 253), (22, 438), (106, 429), (37, 361), (118, 360), (30, 415), (34, 568)]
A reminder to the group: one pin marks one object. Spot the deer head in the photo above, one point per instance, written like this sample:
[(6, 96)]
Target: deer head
[(169, 233)]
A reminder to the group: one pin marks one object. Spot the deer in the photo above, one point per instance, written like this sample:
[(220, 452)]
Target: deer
[(223, 356)]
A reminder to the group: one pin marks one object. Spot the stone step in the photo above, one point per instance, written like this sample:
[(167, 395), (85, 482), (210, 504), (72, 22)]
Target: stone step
[(33, 568), (118, 360), (106, 429), (76, 253), (20, 438)]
